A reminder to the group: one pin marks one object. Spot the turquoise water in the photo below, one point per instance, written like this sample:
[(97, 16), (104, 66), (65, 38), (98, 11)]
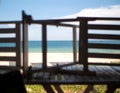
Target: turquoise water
[(53, 46), (67, 46), (63, 46)]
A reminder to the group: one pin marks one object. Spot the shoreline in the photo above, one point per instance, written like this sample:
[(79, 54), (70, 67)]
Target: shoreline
[(55, 57), (63, 57)]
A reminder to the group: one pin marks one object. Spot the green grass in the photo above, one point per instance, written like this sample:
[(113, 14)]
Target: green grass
[(67, 88)]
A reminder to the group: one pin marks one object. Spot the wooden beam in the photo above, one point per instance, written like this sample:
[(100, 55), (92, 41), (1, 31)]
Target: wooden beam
[(99, 18), (18, 45), (10, 22), (90, 88), (25, 43), (44, 45), (83, 48), (74, 45), (58, 88), (48, 88)]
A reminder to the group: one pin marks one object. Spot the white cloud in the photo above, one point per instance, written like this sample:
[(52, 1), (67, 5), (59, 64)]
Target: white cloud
[(111, 11), (55, 34)]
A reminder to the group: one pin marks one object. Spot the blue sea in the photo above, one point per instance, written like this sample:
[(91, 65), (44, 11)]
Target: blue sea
[(67, 46), (64, 46), (52, 46)]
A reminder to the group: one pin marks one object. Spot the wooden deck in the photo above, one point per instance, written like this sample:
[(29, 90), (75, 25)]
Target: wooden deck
[(104, 75)]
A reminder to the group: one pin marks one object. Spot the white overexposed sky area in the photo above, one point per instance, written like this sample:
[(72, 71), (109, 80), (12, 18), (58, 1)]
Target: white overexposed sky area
[(10, 10)]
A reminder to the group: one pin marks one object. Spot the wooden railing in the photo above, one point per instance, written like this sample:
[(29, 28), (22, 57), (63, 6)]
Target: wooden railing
[(84, 36), (10, 46), (83, 25)]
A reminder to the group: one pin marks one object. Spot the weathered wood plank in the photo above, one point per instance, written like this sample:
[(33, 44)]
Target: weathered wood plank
[(104, 36), (44, 45), (109, 75), (46, 75), (7, 40), (105, 64), (100, 55), (99, 18), (74, 44), (104, 27), (7, 30), (57, 87), (25, 42), (105, 46), (7, 49), (48, 88), (83, 31), (52, 76), (102, 76), (90, 88), (18, 45), (117, 68), (112, 72), (7, 58)]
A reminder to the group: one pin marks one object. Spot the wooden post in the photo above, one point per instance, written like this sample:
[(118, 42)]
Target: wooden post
[(74, 45), (44, 45), (83, 41), (18, 45), (25, 44), (90, 88)]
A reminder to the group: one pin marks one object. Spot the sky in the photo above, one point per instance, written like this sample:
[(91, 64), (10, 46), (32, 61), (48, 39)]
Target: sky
[(50, 9)]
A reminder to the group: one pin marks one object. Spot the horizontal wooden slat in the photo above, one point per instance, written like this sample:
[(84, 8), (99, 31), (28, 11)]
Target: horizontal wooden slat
[(10, 22), (6, 30), (108, 64), (103, 36), (100, 55), (10, 67), (103, 27), (4, 40), (7, 58), (100, 18), (7, 49), (104, 46), (63, 20)]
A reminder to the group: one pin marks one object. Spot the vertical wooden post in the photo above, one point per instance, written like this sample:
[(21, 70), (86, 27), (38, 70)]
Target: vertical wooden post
[(74, 45), (18, 45), (83, 41), (44, 45), (25, 44)]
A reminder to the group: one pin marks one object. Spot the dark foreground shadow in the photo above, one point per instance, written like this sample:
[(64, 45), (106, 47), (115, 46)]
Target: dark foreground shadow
[(12, 82)]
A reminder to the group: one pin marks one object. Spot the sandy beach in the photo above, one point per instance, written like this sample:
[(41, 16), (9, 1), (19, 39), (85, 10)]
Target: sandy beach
[(54, 57), (63, 57)]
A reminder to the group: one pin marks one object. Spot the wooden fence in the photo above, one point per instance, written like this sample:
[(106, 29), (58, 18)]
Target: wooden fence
[(10, 44)]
